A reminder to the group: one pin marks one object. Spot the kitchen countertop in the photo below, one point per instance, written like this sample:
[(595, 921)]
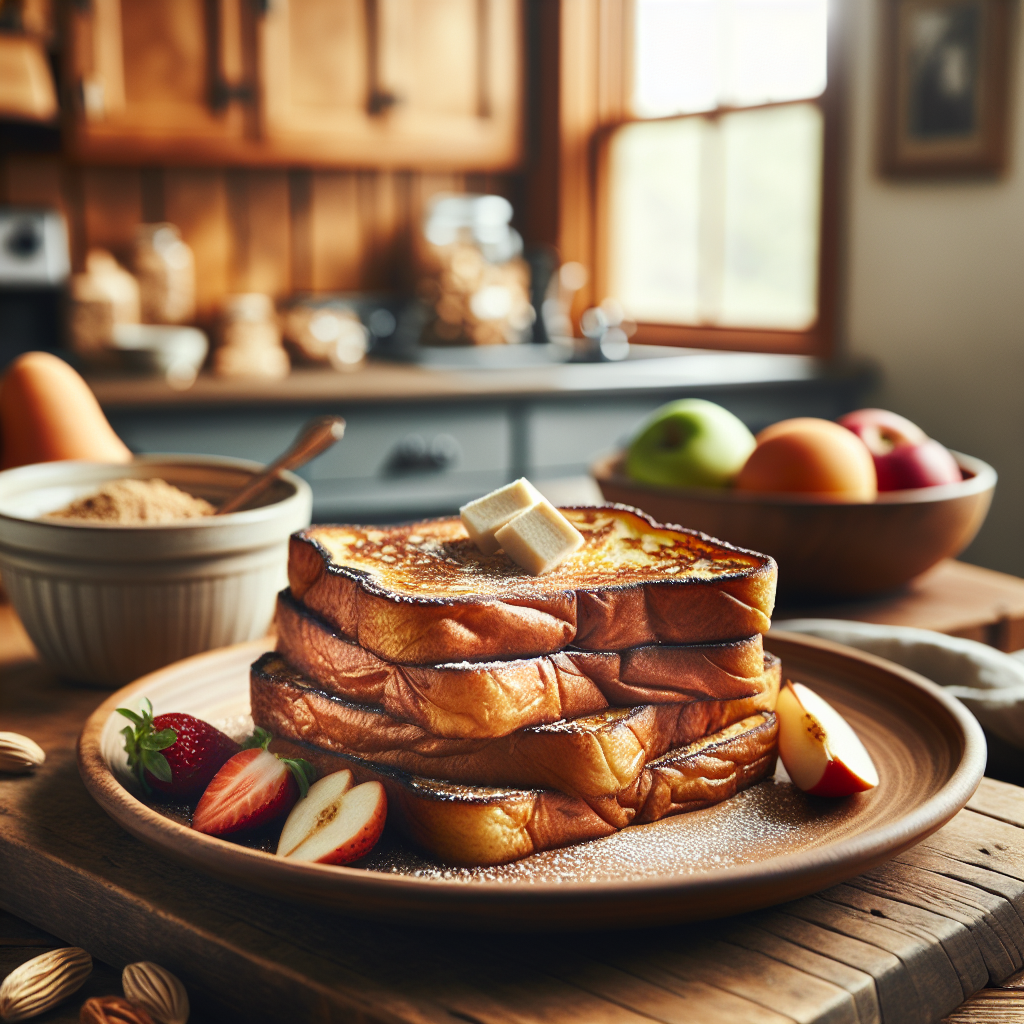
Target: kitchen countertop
[(652, 369)]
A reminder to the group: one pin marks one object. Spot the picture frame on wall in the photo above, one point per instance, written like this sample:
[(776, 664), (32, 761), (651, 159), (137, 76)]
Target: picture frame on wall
[(945, 87)]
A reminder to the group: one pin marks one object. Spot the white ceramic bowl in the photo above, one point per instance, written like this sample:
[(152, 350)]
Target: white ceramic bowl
[(176, 352), (108, 603)]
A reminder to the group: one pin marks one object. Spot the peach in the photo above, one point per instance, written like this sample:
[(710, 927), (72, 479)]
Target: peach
[(810, 456)]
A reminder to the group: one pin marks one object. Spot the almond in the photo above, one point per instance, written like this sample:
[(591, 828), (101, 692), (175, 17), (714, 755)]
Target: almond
[(43, 982), (156, 990), (112, 1010), (19, 754)]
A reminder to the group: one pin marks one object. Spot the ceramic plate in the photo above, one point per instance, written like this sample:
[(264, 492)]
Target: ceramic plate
[(766, 845)]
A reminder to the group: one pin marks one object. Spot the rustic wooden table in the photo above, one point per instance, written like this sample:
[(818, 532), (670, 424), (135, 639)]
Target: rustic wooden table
[(953, 598), (936, 934)]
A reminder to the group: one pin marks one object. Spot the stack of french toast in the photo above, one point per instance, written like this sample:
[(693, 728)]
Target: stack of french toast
[(507, 713)]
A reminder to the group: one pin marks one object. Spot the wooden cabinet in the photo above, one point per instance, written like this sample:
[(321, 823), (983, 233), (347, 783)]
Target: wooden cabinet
[(146, 78), (387, 82), (342, 83)]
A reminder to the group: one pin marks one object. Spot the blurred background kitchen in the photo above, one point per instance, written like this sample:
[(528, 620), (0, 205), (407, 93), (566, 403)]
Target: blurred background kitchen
[(495, 234)]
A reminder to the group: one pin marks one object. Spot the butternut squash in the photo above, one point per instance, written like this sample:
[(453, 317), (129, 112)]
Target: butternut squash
[(48, 414)]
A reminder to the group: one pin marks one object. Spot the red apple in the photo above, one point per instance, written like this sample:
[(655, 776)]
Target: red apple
[(882, 430), (819, 749), (905, 457), (335, 823), (919, 465)]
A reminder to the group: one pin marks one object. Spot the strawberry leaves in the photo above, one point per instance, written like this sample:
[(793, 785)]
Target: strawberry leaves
[(304, 772), (143, 744), (260, 738)]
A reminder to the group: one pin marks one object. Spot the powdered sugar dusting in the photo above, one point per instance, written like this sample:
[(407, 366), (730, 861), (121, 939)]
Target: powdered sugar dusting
[(763, 822)]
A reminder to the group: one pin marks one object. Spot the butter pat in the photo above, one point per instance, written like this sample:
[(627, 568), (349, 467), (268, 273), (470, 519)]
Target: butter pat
[(539, 538), (483, 517)]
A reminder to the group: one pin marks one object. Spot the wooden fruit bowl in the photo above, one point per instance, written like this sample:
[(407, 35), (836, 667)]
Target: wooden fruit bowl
[(826, 548)]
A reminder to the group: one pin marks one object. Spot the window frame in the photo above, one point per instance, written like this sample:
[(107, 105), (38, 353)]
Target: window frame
[(594, 79)]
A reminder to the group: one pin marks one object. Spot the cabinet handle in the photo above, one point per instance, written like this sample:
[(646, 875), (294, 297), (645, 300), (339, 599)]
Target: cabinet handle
[(381, 100), (223, 93), (388, 25), (414, 454), (228, 78)]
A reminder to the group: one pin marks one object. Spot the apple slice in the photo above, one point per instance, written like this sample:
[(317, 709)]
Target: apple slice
[(335, 823), (819, 749), (304, 816)]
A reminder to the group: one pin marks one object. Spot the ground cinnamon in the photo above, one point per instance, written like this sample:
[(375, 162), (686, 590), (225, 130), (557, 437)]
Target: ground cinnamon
[(136, 501)]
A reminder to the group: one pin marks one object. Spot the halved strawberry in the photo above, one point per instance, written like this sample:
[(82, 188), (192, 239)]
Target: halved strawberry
[(175, 754), (254, 787)]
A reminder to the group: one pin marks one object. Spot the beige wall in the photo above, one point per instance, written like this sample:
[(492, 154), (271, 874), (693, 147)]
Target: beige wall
[(935, 294)]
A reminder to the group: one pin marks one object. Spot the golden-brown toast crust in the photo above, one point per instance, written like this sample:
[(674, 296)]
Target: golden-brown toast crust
[(490, 699), (476, 826), (696, 776), (599, 758), (422, 593)]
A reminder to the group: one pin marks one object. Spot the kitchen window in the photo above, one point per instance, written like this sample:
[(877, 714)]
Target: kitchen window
[(714, 185)]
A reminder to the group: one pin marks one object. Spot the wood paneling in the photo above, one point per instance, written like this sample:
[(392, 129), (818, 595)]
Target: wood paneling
[(259, 209), (112, 207), (336, 237), (384, 200), (265, 230), (197, 202), (34, 181), (300, 187)]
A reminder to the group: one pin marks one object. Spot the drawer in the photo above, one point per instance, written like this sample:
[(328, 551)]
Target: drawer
[(405, 463), (393, 463), (401, 445), (242, 433), (565, 439)]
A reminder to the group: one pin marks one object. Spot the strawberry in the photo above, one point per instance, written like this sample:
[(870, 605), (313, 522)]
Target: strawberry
[(175, 754), (254, 787)]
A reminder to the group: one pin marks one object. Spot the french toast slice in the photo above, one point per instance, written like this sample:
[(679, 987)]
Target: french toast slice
[(490, 699), (479, 826), (599, 758), (423, 592)]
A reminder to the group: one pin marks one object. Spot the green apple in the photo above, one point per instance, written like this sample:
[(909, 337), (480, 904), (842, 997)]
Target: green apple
[(689, 443)]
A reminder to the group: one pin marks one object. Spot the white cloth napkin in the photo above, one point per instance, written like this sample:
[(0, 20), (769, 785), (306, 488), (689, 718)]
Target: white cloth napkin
[(988, 681)]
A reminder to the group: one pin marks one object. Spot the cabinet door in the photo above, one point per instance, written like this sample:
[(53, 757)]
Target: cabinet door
[(159, 79), (393, 82)]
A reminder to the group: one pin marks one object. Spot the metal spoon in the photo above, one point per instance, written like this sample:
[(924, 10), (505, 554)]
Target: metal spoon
[(316, 437)]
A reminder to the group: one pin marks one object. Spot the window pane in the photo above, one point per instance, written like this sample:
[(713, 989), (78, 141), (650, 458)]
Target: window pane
[(654, 219), (695, 55), (772, 212), (677, 57), (716, 222)]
